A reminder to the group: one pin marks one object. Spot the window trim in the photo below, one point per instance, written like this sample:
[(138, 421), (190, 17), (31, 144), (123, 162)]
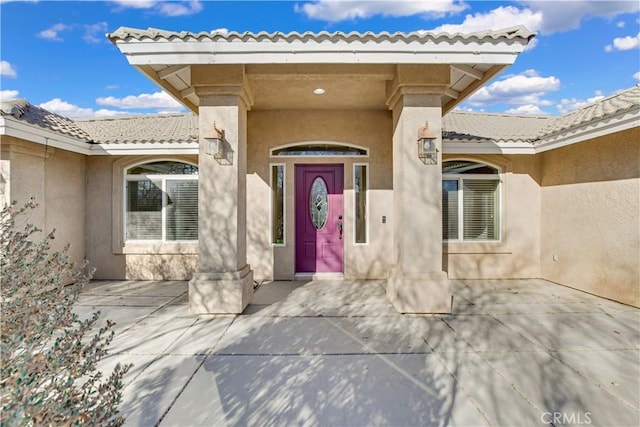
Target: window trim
[(367, 207), (284, 205), (137, 245), (460, 178)]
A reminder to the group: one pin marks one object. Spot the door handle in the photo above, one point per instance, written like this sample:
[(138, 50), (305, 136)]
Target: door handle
[(340, 226)]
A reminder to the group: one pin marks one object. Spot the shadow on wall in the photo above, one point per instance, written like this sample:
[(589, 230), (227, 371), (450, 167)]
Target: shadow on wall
[(160, 267)]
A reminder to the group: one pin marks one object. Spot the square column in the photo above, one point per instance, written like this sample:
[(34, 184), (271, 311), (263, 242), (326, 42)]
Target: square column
[(418, 283), (223, 283)]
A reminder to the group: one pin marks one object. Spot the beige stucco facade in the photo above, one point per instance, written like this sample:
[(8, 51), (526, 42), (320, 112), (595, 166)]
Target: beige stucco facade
[(106, 248), (590, 216), (568, 211), (55, 178), (516, 254), (567, 215)]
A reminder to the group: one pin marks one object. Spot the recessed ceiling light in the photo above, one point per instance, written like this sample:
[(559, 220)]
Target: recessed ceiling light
[(319, 91)]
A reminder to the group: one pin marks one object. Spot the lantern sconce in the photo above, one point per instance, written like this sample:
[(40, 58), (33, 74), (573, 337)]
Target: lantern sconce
[(215, 143), (427, 149)]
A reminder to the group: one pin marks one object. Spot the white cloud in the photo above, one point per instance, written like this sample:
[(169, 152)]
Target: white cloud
[(144, 100), (220, 31), (52, 33), (166, 8), (620, 24), (624, 43), (108, 113), (527, 109), (502, 17), (335, 11), (567, 105), (568, 15), (637, 76), (94, 33), (7, 70), (180, 9), (67, 109), (8, 94), (527, 88), (545, 17), (136, 4), (64, 108)]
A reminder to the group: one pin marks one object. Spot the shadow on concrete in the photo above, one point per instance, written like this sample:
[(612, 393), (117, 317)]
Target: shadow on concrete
[(522, 352)]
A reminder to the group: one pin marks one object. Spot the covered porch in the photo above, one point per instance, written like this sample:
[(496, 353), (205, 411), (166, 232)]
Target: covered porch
[(258, 95)]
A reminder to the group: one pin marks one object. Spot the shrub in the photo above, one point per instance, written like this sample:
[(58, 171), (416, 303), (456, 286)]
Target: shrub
[(48, 372)]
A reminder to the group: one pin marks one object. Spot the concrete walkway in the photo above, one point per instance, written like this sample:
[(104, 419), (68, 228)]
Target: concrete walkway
[(324, 353)]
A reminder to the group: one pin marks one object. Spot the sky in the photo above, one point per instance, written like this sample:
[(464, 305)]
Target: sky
[(55, 54)]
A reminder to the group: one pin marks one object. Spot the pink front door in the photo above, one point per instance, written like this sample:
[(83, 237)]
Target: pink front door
[(319, 218)]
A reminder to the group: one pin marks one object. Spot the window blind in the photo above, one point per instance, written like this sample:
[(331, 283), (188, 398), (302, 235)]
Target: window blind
[(480, 217), (182, 209), (144, 210)]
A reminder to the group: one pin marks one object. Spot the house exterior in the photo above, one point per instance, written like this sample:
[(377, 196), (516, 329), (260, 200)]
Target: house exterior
[(300, 159)]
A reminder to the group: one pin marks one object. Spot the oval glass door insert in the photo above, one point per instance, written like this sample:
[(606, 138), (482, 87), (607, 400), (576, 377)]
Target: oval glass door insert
[(318, 203)]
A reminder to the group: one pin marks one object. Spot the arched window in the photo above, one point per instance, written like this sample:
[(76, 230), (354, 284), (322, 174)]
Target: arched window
[(470, 201), (319, 149), (161, 202)]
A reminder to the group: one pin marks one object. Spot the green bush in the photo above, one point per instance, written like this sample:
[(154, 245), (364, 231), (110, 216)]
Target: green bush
[(48, 372)]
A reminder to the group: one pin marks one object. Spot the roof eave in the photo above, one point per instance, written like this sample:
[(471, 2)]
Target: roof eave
[(176, 52), (487, 146), (147, 148), (10, 126)]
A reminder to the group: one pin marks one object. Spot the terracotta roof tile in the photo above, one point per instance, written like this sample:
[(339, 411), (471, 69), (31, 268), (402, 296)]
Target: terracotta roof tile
[(142, 129), (477, 127), (472, 126), (126, 33), (457, 125), (625, 100), (23, 110)]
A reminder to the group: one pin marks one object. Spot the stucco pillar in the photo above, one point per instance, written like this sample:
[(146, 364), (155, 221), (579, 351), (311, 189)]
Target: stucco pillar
[(418, 283), (224, 280)]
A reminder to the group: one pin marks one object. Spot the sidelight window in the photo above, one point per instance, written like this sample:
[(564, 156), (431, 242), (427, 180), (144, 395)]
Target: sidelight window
[(360, 189)]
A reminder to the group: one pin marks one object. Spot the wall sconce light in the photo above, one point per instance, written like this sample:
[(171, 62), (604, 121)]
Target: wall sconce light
[(215, 143), (427, 149)]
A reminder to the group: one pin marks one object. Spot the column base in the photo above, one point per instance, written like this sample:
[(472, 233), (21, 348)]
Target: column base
[(420, 296), (221, 293)]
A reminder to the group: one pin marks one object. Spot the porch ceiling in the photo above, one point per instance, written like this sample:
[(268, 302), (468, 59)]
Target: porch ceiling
[(283, 70)]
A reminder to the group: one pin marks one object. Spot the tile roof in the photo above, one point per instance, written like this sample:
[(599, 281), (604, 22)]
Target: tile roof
[(23, 110), (622, 101), (477, 127), (472, 126), (175, 128), (127, 33), (457, 125)]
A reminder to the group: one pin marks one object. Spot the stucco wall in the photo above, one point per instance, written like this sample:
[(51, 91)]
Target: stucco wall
[(56, 179), (591, 216), (516, 255), (105, 246), (370, 129)]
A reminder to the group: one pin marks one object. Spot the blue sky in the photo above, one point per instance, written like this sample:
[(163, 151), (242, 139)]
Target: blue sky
[(55, 53)]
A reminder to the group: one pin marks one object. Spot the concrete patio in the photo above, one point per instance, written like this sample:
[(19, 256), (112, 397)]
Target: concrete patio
[(335, 353)]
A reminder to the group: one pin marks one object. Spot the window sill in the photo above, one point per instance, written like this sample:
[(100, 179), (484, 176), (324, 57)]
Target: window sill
[(160, 248)]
